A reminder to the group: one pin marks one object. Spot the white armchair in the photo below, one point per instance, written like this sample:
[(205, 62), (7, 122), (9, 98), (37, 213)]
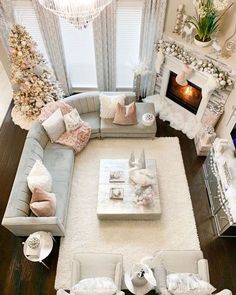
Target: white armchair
[(91, 265), (180, 262)]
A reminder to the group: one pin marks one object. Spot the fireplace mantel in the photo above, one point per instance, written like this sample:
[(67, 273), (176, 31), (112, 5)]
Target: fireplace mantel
[(197, 78), (179, 117), (228, 65)]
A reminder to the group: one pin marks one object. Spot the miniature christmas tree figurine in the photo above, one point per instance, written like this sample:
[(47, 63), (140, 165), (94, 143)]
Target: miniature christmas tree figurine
[(33, 83)]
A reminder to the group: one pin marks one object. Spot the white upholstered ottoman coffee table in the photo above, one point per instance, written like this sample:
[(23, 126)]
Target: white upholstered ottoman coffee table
[(116, 192)]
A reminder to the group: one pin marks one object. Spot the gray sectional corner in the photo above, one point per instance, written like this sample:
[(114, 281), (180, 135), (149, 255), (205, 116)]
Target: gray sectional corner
[(59, 160)]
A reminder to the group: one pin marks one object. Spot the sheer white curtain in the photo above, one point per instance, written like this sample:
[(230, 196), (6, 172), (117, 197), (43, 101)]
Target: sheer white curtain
[(50, 28), (104, 29), (6, 21), (152, 29)]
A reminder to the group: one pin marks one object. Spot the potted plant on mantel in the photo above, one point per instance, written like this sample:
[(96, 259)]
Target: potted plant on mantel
[(207, 20)]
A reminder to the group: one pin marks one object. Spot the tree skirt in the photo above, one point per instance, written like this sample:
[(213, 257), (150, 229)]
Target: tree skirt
[(21, 120), (175, 230)]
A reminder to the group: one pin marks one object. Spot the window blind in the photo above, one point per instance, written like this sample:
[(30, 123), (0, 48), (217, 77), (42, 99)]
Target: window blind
[(80, 55), (129, 18), (25, 15)]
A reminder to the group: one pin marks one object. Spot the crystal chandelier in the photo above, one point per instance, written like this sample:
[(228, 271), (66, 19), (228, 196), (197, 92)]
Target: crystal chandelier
[(78, 12)]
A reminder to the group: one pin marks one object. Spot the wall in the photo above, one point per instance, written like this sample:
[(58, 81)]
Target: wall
[(227, 28), (4, 58), (227, 24)]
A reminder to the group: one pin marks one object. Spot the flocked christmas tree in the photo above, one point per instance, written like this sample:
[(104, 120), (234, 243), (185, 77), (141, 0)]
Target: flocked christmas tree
[(33, 83)]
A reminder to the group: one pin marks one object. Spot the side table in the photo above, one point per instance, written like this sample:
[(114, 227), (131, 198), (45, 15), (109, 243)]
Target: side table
[(46, 245)]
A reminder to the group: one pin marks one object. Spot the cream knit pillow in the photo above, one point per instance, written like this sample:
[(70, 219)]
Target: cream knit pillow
[(108, 105), (39, 177)]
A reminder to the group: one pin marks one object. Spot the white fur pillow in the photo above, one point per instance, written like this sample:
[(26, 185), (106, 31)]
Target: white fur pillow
[(188, 284), (108, 105), (72, 120), (95, 286), (39, 177)]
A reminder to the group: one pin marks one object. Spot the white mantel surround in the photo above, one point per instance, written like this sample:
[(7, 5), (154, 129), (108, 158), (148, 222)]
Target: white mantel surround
[(197, 78), (179, 117)]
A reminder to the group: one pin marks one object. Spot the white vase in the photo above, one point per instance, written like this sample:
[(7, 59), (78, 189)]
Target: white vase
[(202, 44)]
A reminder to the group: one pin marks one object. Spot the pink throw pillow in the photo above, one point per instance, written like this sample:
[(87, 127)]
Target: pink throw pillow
[(125, 115), (43, 204)]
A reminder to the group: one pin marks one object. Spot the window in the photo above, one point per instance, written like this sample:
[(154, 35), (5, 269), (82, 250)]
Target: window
[(80, 55), (26, 16), (129, 18)]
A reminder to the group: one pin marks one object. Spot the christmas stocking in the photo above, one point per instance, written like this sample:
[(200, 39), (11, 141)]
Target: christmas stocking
[(182, 77)]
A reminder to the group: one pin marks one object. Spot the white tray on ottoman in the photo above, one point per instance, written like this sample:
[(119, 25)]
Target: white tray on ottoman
[(124, 207)]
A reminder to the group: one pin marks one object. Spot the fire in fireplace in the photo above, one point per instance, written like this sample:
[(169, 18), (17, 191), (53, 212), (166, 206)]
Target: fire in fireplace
[(188, 96)]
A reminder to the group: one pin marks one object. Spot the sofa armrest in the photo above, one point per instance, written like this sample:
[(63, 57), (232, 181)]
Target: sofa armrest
[(24, 226), (75, 274), (203, 270), (118, 275)]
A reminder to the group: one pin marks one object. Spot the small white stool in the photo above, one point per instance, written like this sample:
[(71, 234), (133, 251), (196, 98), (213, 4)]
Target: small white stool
[(148, 119)]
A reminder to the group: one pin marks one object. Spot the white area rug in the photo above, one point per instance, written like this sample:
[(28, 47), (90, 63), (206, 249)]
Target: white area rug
[(176, 229)]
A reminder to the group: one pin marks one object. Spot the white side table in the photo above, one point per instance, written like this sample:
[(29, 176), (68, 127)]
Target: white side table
[(148, 119), (46, 245)]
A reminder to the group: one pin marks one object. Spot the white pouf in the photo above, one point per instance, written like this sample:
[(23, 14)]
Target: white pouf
[(148, 119)]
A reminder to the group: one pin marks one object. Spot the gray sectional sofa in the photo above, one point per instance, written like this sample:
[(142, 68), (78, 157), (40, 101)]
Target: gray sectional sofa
[(59, 160)]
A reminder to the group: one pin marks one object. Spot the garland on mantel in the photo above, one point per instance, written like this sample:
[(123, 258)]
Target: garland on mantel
[(203, 65)]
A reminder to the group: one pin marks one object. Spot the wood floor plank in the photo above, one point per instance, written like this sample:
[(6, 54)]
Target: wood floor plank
[(21, 277)]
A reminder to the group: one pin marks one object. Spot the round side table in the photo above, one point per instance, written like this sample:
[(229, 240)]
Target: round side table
[(46, 245), (148, 119)]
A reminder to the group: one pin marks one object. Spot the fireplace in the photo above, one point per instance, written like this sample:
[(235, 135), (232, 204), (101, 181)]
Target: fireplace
[(189, 96)]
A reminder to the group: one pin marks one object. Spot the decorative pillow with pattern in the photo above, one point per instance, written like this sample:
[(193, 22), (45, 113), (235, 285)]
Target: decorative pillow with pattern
[(188, 284), (95, 286), (125, 115), (108, 105), (72, 120)]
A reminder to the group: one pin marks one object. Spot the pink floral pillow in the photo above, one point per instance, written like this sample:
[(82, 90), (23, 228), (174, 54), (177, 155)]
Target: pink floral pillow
[(76, 139)]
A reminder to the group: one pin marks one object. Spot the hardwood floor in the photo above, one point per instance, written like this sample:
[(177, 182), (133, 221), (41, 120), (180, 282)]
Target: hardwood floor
[(20, 277)]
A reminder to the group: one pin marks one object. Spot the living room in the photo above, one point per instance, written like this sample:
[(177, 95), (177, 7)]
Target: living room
[(117, 140)]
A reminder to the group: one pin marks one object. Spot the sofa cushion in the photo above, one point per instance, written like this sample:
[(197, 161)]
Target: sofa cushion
[(108, 128), (93, 120), (59, 161)]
